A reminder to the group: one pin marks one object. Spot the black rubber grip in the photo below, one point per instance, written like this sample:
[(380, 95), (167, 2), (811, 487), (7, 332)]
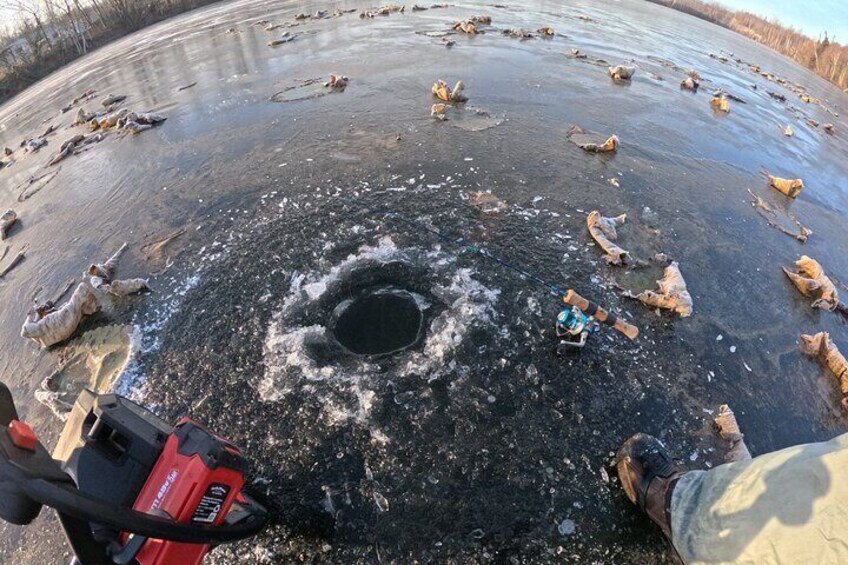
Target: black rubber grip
[(68, 500), (591, 309), (611, 319)]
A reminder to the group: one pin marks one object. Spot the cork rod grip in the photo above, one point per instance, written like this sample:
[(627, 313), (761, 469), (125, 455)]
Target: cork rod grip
[(592, 309)]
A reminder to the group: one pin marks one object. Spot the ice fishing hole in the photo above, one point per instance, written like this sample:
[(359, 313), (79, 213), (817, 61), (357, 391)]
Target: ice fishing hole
[(379, 321)]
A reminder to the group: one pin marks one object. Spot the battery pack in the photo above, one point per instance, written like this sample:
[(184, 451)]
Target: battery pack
[(195, 481)]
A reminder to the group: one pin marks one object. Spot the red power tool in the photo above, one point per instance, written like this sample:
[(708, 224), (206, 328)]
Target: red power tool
[(128, 488)]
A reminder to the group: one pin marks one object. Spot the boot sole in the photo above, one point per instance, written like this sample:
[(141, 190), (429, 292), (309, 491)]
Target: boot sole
[(626, 479)]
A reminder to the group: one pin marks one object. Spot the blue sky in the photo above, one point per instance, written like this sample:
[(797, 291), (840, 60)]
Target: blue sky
[(812, 17)]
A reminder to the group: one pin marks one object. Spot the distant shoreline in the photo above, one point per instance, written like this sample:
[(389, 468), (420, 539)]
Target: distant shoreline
[(826, 58), (43, 46), (45, 43)]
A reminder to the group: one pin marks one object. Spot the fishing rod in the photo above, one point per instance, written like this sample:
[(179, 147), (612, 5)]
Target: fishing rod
[(568, 296), (554, 289)]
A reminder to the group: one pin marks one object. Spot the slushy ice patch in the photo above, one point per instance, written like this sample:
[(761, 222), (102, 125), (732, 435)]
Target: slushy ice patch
[(95, 360), (382, 313), (379, 321)]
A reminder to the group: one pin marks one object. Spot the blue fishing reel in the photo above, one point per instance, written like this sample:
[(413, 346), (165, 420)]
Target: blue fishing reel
[(573, 328)]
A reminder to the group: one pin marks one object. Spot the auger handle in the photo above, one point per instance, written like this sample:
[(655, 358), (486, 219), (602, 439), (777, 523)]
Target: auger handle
[(600, 314)]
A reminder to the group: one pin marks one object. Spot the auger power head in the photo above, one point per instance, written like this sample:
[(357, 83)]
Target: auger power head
[(128, 488)]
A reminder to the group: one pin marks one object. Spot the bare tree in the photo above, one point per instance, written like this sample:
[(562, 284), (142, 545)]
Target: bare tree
[(823, 56), (30, 9)]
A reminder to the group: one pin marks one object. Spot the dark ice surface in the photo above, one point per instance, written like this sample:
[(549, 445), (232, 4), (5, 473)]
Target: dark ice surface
[(478, 444)]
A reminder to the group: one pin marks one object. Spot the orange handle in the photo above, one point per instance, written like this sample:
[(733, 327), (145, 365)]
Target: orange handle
[(600, 314)]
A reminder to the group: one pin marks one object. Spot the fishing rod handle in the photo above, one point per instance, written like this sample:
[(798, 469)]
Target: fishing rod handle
[(600, 314)]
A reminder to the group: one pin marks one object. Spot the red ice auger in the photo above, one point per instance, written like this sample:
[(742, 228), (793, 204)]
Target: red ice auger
[(128, 488)]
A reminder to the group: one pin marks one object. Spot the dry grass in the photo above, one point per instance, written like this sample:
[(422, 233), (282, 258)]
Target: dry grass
[(824, 57)]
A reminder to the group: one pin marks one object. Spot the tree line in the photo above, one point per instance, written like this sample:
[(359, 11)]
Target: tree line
[(823, 56), (51, 33)]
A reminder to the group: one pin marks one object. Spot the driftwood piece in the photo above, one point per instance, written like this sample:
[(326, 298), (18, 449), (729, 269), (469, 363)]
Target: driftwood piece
[(60, 324), (691, 82), (621, 72), (33, 145), (789, 187), (719, 103), (603, 231), (593, 142), (102, 273), (146, 118), (469, 26), (69, 143), (75, 145), (113, 99), (466, 26), (721, 93), (126, 287), (286, 37), (337, 82), (518, 33), (447, 94), (729, 431), (438, 111), (7, 220), (83, 117), (14, 262), (110, 120), (135, 127), (820, 347), (811, 280), (371, 12), (673, 294), (66, 149), (103, 277)]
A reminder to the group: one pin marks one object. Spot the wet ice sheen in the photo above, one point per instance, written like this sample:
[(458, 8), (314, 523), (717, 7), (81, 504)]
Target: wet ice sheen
[(426, 412)]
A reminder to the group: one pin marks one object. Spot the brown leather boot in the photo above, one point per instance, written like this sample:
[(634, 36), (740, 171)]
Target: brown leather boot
[(648, 476)]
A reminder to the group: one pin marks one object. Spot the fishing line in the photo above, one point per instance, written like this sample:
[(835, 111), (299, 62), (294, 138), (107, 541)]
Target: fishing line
[(400, 218)]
